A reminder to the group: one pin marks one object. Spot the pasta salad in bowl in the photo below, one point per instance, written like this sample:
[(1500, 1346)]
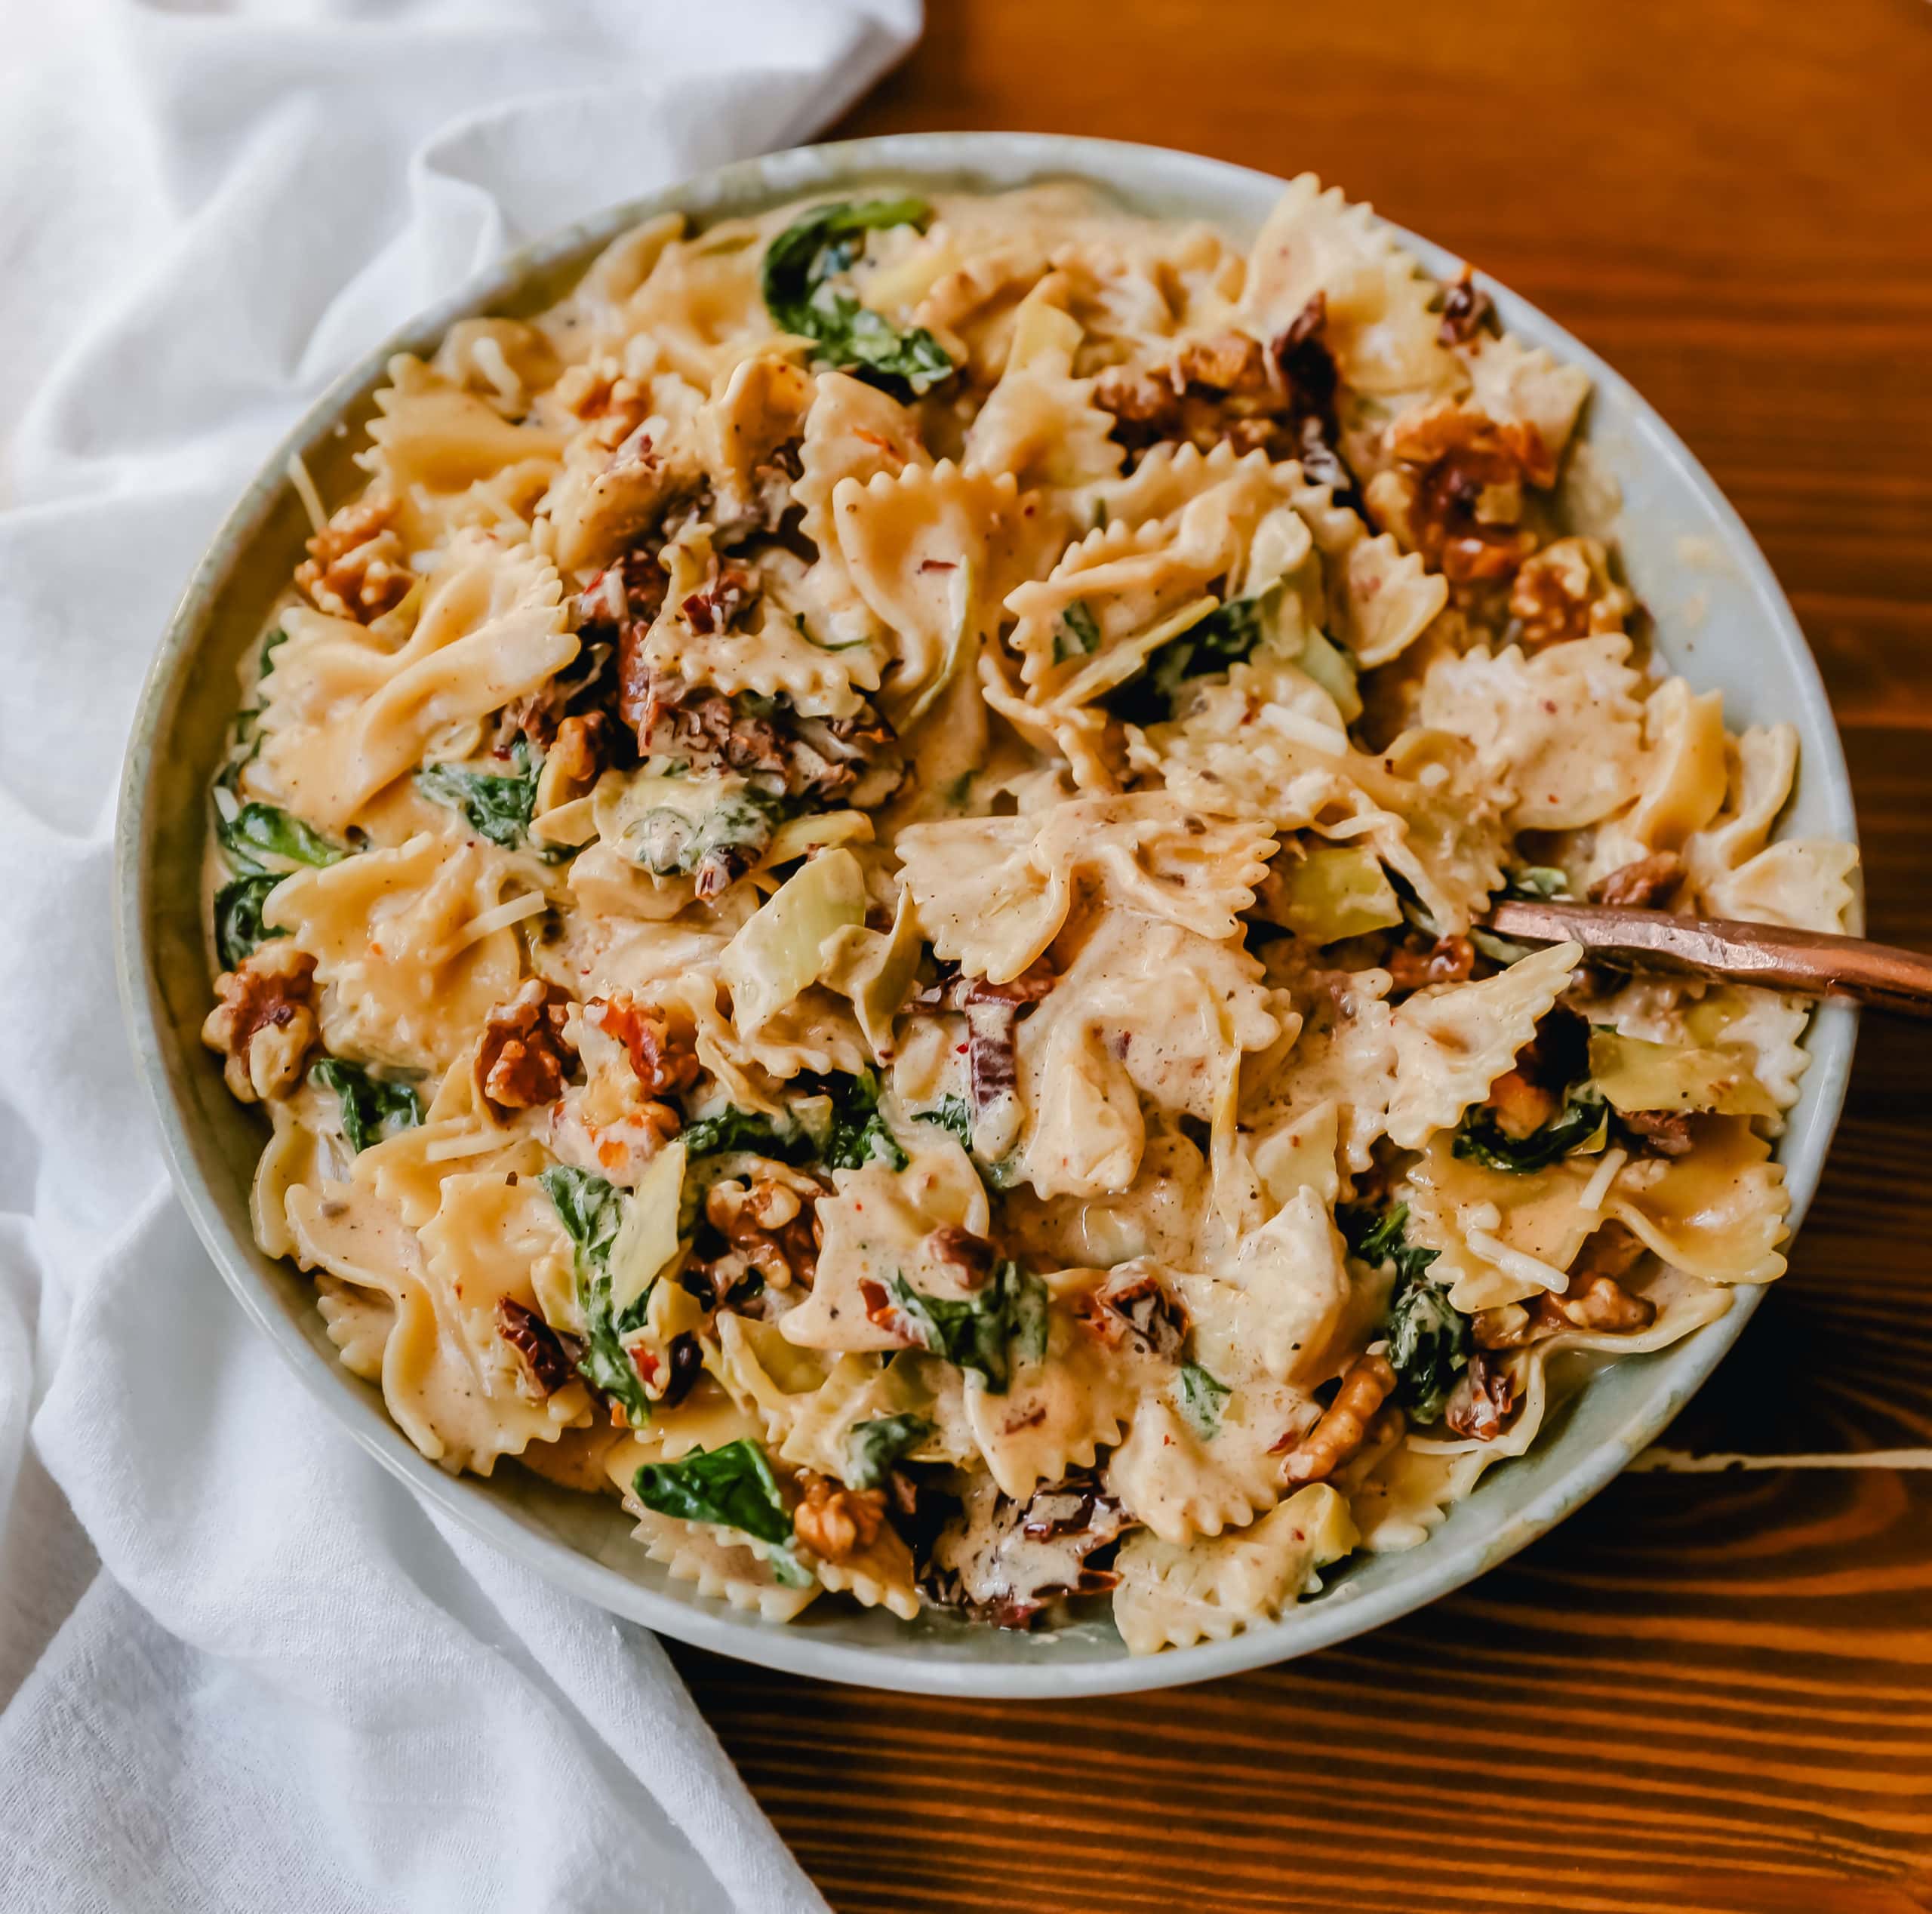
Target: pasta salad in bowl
[(844, 885)]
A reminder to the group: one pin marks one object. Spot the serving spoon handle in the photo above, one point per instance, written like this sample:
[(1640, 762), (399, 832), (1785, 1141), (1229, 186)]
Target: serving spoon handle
[(1812, 962)]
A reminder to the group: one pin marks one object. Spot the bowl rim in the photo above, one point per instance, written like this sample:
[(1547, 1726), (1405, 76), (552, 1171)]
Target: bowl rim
[(772, 178)]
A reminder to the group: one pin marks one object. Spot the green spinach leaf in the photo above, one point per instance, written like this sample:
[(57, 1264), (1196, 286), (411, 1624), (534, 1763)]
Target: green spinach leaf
[(981, 1331), (1201, 1397), (858, 1131), (372, 1108), (591, 1211), (1428, 1337), (733, 1129), (799, 267), (1077, 634), (496, 805), (732, 1486), (239, 928), (952, 1113), (872, 1447), (258, 830), (1226, 637), (1480, 1139)]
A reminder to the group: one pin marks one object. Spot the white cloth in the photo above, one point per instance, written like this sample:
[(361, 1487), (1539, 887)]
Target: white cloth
[(253, 1674)]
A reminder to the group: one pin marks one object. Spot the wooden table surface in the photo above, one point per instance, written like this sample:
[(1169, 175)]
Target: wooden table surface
[(1704, 1692)]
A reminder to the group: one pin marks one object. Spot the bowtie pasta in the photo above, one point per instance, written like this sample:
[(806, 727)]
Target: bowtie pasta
[(852, 887)]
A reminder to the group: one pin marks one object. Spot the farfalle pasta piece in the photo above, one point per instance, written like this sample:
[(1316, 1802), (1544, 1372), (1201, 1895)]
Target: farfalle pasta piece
[(1060, 1408), (921, 546), (1515, 384), (1718, 1213), (1524, 716), (771, 657), (757, 410), (1174, 1595), (1682, 778), (1342, 1055), (1181, 1477), (855, 431), (1804, 882), (720, 1564), (446, 459), (1453, 1040), (460, 1406), (1040, 423), (1500, 1237), (1760, 764), (638, 453), (879, 1229), (344, 716), (1145, 1010), (410, 950), (994, 892), (1279, 1302), (1378, 321)]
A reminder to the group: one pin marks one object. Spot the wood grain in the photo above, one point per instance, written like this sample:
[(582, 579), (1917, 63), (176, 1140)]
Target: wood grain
[(1707, 1693)]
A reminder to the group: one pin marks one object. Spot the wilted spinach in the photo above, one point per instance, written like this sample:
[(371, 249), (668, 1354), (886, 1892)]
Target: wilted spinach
[(872, 1447), (372, 1107), (239, 928), (980, 1332), (732, 1486), (1226, 637), (799, 267), (591, 1211), (1480, 1139), (1428, 1336), (497, 805)]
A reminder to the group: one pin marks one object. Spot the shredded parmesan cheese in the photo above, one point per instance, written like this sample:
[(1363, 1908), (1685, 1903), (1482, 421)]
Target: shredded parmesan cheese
[(1517, 1263), (1598, 1188), (514, 912), (305, 489), (475, 1142)]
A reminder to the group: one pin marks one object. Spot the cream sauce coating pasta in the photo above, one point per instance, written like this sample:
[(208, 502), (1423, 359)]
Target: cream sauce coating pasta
[(852, 881)]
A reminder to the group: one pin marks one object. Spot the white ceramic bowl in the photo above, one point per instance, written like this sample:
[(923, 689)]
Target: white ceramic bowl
[(1721, 619)]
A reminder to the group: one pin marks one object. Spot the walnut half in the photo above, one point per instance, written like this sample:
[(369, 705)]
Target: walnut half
[(264, 1021), (832, 1521)]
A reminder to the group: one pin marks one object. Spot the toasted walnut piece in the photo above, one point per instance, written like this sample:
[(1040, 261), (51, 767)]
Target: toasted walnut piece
[(264, 1021), (1344, 1423), (1565, 591), (1507, 1327), (357, 568), (772, 1227), (1467, 473), (544, 1364), (576, 749), (1448, 960), (1480, 1404), (1661, 1132), (1613, 1250), (832, 1521), (660, 1043), (1228, 362), (1520, 1107), (1602, 1304), (1643, 885), (522, 1057)]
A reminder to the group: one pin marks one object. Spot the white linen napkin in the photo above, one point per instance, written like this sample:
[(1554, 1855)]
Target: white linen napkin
[(246, 1671)]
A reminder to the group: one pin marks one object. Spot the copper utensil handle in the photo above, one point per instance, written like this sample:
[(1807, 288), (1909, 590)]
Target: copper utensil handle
[(1812, 961)]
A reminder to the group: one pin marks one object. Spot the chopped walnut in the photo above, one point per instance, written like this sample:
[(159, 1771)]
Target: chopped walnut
[(1660, 1133), (522, 1056), (1448, 960), (1508, 1326), (1480, 1404), (357, 568), (832, 1521), (1344, 1423), (1602, 1304), (264, 1021), (1614, 1249), (1643, 885), (661, 1044), (772, 1228), (543, 1363), (1565, 591), (1520, 1107), (1466, 473)]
